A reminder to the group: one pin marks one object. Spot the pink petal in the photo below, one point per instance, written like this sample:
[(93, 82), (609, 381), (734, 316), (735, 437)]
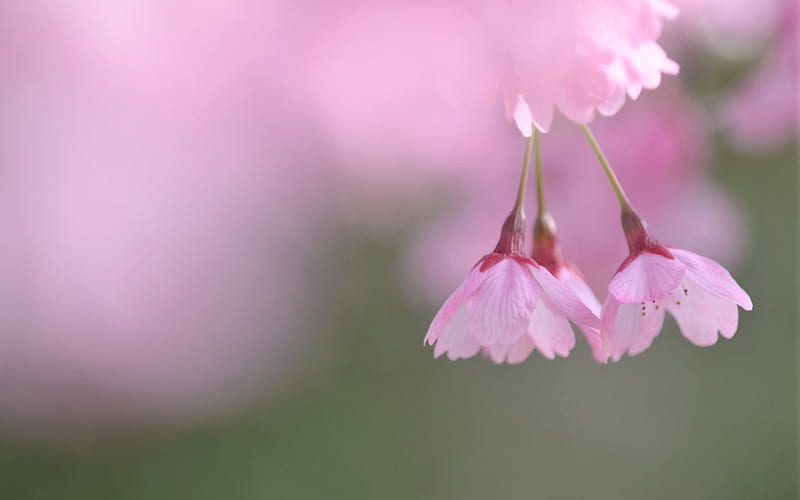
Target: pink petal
[(520, 350), (453, 334), (585, 295), (581, 290), (497, 353), (550, 331), (564, 299), (629, 328), (700, 314), (522, 116), (538, 108), (648, 276), (512, 354), (595, 341), (614, 103), (500, 309), (466, 348), (713, 277), (665, 9), (452, 304)]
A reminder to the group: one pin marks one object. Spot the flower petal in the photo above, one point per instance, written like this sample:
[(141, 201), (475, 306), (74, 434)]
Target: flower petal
[(500, 309), (585, 294), (452, 304), (453, 333), (551, 331), (713, 277), (700, 314), (629, 328), (512, 354), (647, 277), (578, 285), (466, 348), (564, 299), (522, 116), (520, 350)]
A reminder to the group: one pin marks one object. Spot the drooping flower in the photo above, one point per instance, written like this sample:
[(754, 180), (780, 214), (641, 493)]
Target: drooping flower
[(547, 251), (698, 292), (509, 305)]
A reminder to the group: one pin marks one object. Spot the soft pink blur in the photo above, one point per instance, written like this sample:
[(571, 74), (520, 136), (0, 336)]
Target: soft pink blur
[(371, 77), (733, 29), (762, 110), (157, 198)]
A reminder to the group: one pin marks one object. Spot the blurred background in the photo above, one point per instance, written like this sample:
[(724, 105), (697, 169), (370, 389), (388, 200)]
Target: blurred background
[(225, 227)]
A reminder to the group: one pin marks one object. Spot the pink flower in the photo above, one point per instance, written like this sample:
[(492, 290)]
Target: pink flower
[(373, 84), (698, 292), (582, 57), (509, 305)]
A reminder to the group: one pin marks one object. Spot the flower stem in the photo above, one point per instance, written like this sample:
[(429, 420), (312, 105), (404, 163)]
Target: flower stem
[(624, 203), (512, 235), (523, 181), (539, 175)]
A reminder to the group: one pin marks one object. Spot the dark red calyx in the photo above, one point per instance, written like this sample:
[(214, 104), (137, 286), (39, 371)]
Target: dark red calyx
[(512, 235), (546, 250), (637, 236)]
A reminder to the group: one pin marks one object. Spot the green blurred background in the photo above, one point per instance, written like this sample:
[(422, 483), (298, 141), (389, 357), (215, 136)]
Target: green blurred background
[(378, 417)]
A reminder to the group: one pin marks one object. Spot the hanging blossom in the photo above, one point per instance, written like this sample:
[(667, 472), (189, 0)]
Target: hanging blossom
[(509, 305), (547, 253), (580, 56), (698, 292), (654, 278)]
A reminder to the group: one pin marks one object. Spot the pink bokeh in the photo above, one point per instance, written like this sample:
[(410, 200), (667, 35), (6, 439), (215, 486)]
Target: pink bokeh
[(158, 202)]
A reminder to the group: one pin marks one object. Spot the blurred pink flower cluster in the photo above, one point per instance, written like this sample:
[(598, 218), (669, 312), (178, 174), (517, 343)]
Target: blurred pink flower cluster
[(761, 112)]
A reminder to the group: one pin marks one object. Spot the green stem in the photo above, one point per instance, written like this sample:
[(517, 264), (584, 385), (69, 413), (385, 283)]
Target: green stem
[(523, 181), (539, 174), (624, 203)]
